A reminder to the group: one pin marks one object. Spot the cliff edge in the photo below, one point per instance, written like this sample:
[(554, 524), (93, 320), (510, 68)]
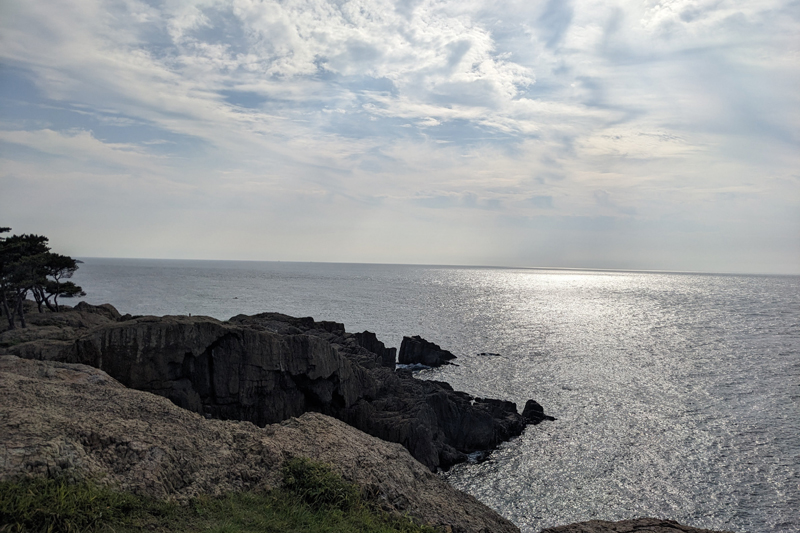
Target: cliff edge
[(269, 367), (75, 420)]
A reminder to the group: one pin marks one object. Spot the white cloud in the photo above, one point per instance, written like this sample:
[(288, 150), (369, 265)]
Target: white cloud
[(522, 108)]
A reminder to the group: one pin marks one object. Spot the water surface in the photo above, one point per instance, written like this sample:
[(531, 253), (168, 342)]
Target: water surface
[(677, 395)]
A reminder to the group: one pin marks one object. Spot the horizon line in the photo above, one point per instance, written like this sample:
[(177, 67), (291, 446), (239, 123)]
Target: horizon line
[(442, 265)]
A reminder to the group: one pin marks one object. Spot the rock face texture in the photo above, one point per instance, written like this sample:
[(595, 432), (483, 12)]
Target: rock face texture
[(226, 371), (270, 367), (438, 425), (638, 525), (370, 342), (416, 350), (76, 420)]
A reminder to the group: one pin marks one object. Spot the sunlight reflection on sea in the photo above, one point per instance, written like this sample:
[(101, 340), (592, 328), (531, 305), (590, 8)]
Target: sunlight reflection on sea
[(677, 395)]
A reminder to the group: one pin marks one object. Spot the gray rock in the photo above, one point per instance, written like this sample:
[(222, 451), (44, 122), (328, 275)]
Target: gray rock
[(370, 342), (417, 350), (269, 367), (226, 371), (77, 421), (439, 426), (533, 413)]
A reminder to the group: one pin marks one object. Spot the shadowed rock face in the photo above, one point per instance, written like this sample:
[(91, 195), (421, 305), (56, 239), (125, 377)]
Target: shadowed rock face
[(225, 371), (438, 425), (533, 413), (270, 367), (417, 350)]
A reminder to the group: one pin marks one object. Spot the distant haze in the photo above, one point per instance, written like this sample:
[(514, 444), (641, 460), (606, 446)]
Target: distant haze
[(634, 134)]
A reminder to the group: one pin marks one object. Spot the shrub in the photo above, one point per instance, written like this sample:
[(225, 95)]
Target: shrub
[(318, 485)]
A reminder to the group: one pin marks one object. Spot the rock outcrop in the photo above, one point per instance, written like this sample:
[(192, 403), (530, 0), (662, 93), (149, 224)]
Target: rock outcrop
[(638, 525), (269, 367), (416, 350), (77, 421), (439, 426), (370, 342), (226, 371), (533, 413)]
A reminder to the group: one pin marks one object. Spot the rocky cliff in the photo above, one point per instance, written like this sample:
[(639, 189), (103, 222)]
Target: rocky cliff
[(416, 350), (270, 367), (76, 420)]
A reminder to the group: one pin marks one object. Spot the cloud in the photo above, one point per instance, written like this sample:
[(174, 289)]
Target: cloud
[(467, 115), (555, 21), (541, 201), (603, 199), (80, 145), (468, 199)]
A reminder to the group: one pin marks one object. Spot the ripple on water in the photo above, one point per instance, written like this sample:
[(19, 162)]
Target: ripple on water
[(676, 395)]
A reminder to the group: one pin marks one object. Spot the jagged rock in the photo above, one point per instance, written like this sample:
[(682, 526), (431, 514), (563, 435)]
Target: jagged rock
[(439, 426), (76, 421), (638, 525), (416, 350), (105, 310), (82, 316), (51, 336), (533, 413), (226, 371), (269, 367), (368, 340)]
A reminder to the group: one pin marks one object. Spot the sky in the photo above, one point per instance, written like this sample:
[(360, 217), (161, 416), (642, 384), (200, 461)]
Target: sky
[(643, 135)]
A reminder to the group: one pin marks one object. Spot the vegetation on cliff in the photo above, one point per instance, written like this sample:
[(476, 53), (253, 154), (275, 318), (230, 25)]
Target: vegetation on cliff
[(313, 500)]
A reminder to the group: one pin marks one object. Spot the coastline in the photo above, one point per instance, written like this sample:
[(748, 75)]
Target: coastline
[(301, 366)]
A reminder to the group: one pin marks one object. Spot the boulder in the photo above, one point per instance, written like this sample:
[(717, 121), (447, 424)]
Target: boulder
[(416, 350), (533, 413)]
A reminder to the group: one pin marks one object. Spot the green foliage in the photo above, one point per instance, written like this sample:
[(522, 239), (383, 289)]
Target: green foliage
[(53, 505), (28, 266), (318, 485), (58, 506)]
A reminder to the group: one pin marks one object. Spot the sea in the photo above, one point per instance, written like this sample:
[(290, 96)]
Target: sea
[(677, 395)]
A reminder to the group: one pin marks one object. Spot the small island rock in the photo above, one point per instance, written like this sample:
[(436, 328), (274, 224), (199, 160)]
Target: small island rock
[(533, 413), (416, 350)]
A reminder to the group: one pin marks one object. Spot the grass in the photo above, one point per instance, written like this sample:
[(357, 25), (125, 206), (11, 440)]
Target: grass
[(313, 500)]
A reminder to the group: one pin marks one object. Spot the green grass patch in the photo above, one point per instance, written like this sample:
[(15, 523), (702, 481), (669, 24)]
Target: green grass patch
[(313, 500)]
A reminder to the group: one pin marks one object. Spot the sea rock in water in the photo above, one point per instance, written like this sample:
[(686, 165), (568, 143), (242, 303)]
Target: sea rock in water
[(77, 421), (533, 413), (417, 350), (638, 525)]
